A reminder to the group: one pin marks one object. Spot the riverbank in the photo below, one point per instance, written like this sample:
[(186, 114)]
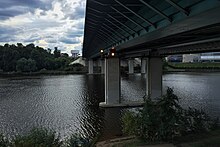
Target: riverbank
[(42, 72), (195, 140), (192, 67)]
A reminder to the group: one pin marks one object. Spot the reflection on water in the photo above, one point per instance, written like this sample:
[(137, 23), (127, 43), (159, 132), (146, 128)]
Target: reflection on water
[(199, 90), (112, 125), (69, 104)]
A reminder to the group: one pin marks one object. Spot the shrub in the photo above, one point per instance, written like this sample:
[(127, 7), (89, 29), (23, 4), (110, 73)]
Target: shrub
[(197, 121), (38, 138), (3, 141), (77, 141), (165, 119), (45, 138), (24, 65), (130, 122)]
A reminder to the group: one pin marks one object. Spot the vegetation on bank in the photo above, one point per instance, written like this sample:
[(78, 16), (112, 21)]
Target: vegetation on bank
[(196, 65), (165, 120), (31, 58), (44, 138)]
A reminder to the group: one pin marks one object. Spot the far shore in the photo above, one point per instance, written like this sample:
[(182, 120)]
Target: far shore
[(84, 71), (46, 72)]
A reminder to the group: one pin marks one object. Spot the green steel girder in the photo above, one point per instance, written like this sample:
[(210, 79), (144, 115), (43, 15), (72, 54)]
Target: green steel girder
[(122, 24), (108, 35), (130, 19), (139, 16), (156, 10), (110, 28), (134, 25), (117, 26), (178, 7), (107, 30)]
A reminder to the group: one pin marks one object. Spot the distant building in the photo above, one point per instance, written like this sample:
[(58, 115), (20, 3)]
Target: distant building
[(210, 57), (75, 53), (191, 57), (175, 58)]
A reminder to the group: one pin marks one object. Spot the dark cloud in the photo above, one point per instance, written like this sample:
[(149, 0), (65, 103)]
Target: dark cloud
[(69, 40), (32, 38), (7, 34), (51, 40), (73, 34), (76, 13), (27, 3), (11, 8), (7, 30), (7, 13), (79, 25), (6, 38), (49, 28)]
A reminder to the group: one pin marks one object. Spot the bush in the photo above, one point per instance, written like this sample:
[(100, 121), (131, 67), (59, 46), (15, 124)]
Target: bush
[(45, 138), (75, 68), (3, 141), (165, 119), (77, 141), (197, 121), (130, 122), (24, 65), (38, 138)]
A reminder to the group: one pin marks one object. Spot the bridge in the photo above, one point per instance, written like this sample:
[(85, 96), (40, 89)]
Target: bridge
[(150, 30)]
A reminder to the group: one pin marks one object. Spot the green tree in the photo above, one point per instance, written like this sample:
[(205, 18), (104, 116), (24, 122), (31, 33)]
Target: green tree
[(25, 65), (38, 138), (165, 119), (56, 52), (38, 57), (9, 58), (10, 54)]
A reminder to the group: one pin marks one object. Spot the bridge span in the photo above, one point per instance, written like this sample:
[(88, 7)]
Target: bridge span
[(150, 30)]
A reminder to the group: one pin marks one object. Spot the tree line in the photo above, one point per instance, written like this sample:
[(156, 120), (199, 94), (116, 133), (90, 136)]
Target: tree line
[(31, 58)]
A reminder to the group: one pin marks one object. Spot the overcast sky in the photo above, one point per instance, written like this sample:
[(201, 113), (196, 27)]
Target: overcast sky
[(46, 23)]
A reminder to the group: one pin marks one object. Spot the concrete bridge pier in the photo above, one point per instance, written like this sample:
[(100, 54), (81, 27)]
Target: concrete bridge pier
[(112, 81), (102, 64), (154, 77), (113, 86), (91, 68), (143, 65), (130, 66)]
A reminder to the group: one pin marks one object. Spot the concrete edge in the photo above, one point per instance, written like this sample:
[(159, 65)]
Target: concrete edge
[(127, 104), (95, 74)]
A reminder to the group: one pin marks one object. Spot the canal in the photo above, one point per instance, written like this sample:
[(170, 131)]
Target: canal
[(69, 104)]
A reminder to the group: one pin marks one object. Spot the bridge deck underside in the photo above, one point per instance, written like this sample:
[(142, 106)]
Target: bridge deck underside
[(144, 27)]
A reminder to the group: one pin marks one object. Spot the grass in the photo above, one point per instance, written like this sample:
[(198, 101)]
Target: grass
[(212, 142), (44, 138), (211, 139), (208, 65), (136, 143)]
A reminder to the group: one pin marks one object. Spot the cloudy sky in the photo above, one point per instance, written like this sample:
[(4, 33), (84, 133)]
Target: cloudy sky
[(46, 23)]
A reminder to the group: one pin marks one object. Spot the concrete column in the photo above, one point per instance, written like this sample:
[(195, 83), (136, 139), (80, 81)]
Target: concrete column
[(143, 65), (131, 66), (91, 66), (112, 124), (102, 64), (154, 77), (96, 63), (112, 81)]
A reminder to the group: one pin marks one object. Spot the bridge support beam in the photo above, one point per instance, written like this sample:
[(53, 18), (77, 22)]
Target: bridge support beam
[(102, 63), (91, 70), (154, 77), (143, 65), (112, 81), (130, 66)]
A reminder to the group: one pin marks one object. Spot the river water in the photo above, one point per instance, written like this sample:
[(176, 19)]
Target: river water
[(69, 104)]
